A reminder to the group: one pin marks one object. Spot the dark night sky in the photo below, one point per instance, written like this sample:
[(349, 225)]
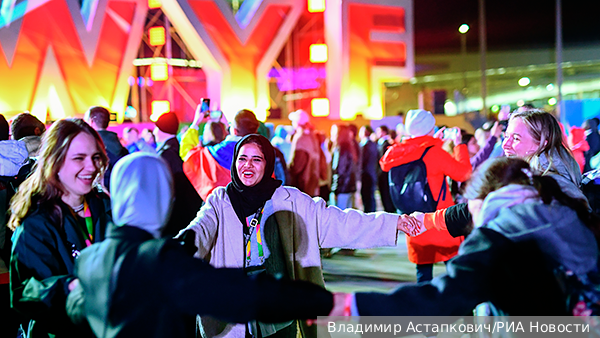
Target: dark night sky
[(511, 24)]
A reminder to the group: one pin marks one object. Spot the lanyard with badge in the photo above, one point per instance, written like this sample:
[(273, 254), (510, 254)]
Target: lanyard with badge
[(88, 231), (254, 225)]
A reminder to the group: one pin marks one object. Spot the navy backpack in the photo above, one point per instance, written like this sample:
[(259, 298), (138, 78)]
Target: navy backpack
[(409, 187)]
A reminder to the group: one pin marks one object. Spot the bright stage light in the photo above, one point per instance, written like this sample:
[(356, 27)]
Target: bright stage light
[(319, 107), (156, 36), (159, 107), (316, 6), (552, 101), (159, 72), (153, 4), (318, 53)]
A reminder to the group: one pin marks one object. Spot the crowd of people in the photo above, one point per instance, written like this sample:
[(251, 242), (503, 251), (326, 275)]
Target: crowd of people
[(137, 235)]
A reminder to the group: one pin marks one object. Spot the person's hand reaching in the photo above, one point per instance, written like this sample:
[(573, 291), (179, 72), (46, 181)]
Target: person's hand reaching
[(457, 136), (199, 116), (497, 129), (341, 308)]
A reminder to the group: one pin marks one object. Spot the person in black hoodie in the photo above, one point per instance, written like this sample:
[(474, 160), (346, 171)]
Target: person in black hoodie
[(98, 118)]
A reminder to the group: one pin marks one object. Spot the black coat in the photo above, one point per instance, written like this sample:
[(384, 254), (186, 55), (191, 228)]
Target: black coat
[(137, 286), (42, 264), (187, 201), (369, 161), (114, 150), (344, 170)]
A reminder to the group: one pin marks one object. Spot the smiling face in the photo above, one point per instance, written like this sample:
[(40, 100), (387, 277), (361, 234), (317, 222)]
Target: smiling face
[(81, 167), (518, 140), (250, 164)]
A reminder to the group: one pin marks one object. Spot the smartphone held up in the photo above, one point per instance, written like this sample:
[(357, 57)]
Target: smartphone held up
[(205, 106)]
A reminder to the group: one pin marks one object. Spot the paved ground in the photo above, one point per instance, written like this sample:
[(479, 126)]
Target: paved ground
[(380, 269)]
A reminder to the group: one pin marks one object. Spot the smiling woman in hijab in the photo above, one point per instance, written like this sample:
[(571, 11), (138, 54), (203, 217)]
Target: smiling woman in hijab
[(257, 224), (250, 190)]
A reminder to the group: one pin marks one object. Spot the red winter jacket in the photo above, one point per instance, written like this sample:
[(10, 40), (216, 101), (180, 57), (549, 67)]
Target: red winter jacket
[(432, 246)]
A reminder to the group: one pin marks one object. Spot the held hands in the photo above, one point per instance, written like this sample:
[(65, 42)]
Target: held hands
[(413, 224), (418, 219)]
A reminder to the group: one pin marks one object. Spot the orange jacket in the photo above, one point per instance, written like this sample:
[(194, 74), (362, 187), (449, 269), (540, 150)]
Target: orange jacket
[(432, 246), (204, 172)]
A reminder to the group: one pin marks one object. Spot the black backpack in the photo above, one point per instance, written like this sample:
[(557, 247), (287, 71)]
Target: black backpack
[(409, 187)]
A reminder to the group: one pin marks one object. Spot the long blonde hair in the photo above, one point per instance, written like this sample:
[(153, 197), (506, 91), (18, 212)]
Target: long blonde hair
[(545, 130), (43, 185)]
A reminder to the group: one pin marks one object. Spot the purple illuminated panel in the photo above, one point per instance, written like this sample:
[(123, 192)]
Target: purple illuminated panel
[(298, 79)]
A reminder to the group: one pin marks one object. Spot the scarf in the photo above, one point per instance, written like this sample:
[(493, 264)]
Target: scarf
[(504, 197), (247, 200)]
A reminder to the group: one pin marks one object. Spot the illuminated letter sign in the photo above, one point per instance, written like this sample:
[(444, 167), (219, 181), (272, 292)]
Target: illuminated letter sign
[(237, 51), (373, 43), (59, 57)]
